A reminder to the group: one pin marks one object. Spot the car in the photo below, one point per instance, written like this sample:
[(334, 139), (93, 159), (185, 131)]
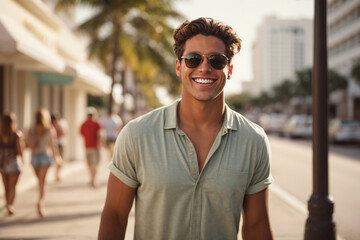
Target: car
[(341, 130), (298, 126), (272, 123)]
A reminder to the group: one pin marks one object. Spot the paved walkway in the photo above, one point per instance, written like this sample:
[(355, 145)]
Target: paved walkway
[(73, 208)]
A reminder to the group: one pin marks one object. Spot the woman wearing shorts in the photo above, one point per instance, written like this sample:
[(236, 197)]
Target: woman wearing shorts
[(42, 141), (11, 148)]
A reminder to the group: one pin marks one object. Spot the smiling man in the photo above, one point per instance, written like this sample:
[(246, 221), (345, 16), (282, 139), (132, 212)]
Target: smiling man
[(195, 165)]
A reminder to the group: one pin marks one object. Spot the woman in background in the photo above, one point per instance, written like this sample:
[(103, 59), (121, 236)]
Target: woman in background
[(61, 128), (11, 148), (42, 141)]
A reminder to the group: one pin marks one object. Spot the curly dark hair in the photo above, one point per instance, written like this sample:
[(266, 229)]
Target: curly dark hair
[(208, 27)]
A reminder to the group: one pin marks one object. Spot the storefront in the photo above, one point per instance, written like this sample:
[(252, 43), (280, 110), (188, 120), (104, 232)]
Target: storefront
[(43, 64)]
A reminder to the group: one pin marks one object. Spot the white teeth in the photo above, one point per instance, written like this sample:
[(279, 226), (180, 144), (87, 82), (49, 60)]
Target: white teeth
[(204, 81)]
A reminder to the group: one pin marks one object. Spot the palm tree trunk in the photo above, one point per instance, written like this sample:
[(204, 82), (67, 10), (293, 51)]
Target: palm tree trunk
[(115, 54), (123, 85)]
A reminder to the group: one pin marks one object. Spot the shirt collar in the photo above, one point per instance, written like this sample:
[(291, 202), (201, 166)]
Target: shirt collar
[(171, 115), (171, 118)]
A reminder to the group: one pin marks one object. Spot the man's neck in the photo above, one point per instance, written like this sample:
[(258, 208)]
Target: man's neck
[(201, 114)]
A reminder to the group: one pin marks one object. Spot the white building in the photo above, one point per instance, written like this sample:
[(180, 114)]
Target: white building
[(343, 52), (281, 47), (43, 64)]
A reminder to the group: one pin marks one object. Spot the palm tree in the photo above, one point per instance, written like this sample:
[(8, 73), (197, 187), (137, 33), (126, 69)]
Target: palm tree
[(122, 33)]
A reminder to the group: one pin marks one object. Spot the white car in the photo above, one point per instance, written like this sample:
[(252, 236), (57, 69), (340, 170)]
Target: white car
[(298, 126), (344, 130), (272, 123)]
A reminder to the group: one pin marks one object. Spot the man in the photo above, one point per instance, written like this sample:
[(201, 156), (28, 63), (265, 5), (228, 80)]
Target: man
[(112, 124), (91, 131), (195, 165)]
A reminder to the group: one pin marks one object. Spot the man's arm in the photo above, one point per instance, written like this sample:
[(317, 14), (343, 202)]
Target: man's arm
[(256, 223), (115, 214)]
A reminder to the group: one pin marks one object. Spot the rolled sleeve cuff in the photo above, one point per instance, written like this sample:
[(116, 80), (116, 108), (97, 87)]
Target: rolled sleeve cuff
[(260, 185), (121, 176)]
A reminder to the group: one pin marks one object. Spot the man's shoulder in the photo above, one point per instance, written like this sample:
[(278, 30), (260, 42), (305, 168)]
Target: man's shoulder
[(153, 121), (244, 125), (151, 118)]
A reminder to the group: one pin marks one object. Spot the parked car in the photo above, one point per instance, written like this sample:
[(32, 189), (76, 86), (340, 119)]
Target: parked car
[(298, 126), (272, 123), (341, 130)]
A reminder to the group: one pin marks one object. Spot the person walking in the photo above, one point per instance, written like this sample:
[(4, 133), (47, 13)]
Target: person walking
[(195, 165), (41, 139), (112, 125), (91, 132), (61, 128), (11, 157)]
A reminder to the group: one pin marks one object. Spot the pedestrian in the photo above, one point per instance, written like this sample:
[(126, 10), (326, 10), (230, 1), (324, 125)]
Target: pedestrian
[(195, 165), (112, 125), (91, 132), (61, 128), (41, 139), (11, 148)]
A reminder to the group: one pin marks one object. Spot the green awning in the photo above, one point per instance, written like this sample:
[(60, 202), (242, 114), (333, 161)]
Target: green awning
[(53, 78)]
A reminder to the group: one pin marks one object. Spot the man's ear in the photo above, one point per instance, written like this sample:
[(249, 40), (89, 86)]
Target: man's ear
[(178, 67), (230, 72)]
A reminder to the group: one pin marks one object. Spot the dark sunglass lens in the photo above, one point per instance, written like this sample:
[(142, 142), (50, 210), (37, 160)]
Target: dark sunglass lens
[(218, 61), (192, 60)]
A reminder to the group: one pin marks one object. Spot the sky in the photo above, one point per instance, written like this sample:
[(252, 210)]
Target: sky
[(244, 16)]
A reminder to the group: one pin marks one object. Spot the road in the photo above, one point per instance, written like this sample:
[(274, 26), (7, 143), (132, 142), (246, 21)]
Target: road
[(292, 170)]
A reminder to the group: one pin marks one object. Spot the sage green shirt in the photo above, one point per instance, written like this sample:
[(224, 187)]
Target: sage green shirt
[(173, 199)]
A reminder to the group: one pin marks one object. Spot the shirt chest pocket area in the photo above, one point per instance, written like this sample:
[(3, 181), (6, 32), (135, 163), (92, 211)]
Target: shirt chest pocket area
[(227, 189)]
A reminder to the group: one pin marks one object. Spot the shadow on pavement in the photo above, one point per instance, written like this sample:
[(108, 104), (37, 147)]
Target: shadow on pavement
[(58, 218)]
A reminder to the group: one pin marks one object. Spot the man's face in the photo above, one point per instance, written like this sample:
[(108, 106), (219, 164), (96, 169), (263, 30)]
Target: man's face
[(204, 82)]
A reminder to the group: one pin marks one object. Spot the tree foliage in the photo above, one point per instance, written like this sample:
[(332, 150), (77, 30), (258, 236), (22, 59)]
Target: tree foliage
[(238, 101), (304, 81), (123, 33), (301, 86), (355, 71), (284, 91)]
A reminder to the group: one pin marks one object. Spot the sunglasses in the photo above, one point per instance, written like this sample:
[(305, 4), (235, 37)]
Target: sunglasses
[(217, 61)]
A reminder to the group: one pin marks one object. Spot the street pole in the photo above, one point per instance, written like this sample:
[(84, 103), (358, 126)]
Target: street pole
[(320, 224)]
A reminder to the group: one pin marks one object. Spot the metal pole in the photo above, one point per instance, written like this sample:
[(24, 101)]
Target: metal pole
[(320, 224)]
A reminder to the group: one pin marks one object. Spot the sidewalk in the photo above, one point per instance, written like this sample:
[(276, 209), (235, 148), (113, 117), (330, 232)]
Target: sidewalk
[(73, 208)]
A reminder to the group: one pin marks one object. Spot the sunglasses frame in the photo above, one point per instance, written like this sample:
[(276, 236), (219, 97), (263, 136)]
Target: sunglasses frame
[(208, 56)]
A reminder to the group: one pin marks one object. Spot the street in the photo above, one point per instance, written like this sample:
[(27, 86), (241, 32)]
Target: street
[(73, 208), (292, 170)]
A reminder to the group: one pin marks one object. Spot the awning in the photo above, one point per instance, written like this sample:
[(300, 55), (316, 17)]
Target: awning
[(15, 40), (53, 78)]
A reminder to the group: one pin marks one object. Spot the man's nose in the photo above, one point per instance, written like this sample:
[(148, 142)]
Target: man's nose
[(205, 65)]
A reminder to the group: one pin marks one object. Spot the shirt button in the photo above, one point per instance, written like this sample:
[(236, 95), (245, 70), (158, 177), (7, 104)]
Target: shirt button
[(191, 153)]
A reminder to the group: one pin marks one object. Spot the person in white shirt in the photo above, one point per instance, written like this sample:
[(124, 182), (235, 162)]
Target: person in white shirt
[(112, 125)]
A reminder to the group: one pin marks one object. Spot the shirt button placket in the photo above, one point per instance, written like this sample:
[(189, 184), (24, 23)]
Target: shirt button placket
[(195, 227), (192, 160)]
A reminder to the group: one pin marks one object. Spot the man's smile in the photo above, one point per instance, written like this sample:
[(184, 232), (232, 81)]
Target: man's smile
[(204, 80)]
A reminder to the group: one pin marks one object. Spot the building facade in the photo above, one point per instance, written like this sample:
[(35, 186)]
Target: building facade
[(281, 47), (344, 52), (44, 65)]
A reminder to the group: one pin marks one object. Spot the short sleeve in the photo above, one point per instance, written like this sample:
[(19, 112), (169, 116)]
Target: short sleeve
[(262, 176), (123, 164)]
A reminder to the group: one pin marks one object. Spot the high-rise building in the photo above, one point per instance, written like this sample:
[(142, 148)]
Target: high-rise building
[(281, 47), (343, 52)]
